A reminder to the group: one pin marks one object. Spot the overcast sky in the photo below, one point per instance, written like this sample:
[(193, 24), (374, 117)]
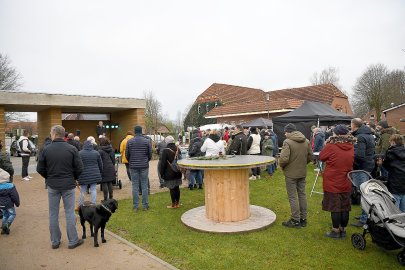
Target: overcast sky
[(177, 49)]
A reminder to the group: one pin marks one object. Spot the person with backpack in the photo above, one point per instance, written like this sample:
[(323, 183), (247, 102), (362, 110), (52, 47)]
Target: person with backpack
[(168, 171), (8, 198), (238, 145), (25, 155)]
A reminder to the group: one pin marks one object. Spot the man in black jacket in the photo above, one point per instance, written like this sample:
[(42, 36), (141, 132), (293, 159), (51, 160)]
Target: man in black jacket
[(394, 162), (363, 158), (61, 165), (100, 129), (71, 140), (239, 142)]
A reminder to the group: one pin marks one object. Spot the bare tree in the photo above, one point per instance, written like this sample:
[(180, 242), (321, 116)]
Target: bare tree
[(372, 91), (10, 78), (153, 116), (327, 75)]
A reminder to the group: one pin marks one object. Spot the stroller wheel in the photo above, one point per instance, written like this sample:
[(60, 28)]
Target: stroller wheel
[(401, 258), (358, 241), (120, 184)]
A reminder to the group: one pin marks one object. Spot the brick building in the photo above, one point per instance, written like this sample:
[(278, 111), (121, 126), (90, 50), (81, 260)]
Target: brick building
[(395, 117), (235, 104)]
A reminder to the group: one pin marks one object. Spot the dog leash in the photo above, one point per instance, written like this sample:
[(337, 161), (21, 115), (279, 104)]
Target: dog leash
[(106, 208)]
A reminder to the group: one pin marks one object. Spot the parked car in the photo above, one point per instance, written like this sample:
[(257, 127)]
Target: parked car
[(16, 151)]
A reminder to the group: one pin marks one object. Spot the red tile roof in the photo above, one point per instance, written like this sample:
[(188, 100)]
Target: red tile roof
[(240, 100), (230, 94), (321, 93), (256, 106)]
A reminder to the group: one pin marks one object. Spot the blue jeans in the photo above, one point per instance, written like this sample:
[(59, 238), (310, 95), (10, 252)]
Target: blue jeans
[(93, 193), (196, 176), (68, 197), (271, 168), (400, 201), (8, 216), (358, 179), (139, 176)]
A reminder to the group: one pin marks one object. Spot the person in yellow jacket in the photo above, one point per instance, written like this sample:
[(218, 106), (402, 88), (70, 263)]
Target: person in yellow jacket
[(123, 146)]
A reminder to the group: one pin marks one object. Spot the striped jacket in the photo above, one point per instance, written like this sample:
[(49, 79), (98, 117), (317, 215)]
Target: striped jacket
[(138, 152)]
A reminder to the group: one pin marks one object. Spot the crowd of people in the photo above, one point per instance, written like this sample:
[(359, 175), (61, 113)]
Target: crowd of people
[(65, 164)]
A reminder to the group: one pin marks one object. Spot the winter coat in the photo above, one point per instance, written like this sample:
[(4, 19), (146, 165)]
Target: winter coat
[(295, 155), (275, 144), (364, 149), (338, 154), (238, 145), (383, 142), (75, 144), (92, 165), (253, 144), (8, 196), (319, 141), (100, 130), (267, 147), (138, 152), (123, 147), (167, 157), (108, 159), (60, 165), (6, 164), (25, 146), (213, 146), (394, 163), (195, 148), (162, 145)]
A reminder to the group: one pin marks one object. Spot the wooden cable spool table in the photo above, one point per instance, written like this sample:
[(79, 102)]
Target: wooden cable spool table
[(227, 205)]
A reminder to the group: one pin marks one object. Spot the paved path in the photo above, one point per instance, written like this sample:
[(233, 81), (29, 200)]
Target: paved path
[(28, 245)]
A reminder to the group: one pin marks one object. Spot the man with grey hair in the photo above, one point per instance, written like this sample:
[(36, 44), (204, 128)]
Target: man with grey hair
[(363, 158), (61, 165)]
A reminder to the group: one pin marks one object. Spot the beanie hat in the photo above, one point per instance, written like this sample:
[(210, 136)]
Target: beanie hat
[(169, 139), (340, 130), (290, 128), (138, 130), (4, 176), (383, 123)]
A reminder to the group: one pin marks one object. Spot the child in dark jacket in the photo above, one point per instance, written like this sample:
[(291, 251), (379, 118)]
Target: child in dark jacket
[(8, 198)]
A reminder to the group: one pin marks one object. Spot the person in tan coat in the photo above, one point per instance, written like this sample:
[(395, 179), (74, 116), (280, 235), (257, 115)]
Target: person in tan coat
[(294, 157), (123, 146)]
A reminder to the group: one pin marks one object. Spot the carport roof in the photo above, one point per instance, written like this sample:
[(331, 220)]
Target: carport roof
[(17, 101)]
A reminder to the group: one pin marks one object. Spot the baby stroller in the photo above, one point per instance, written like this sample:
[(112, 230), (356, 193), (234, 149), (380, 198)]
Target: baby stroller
[(385, 222)]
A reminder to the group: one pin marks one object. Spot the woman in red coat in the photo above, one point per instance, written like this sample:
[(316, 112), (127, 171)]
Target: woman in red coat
[(338, 154)]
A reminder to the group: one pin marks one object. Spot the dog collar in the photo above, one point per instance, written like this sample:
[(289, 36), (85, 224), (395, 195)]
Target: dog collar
[(106, 208)]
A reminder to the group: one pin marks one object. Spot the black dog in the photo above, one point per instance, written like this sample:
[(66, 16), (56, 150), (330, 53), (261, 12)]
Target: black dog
[(97, 216)]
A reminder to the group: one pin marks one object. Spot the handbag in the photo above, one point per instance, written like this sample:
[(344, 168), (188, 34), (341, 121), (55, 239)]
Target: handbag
[(173, 165)]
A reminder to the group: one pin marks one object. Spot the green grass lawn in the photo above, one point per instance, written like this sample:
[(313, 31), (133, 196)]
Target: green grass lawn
[(161, 232)]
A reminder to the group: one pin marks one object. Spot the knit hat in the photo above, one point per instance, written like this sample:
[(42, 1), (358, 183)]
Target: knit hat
[(383, 123), (290, 128), (169, 139), (138, 130), (340, 130)]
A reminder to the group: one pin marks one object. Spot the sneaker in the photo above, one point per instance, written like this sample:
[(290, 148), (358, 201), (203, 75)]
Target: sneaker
[(358, 224), (292, 223), (258, 177), (200, 186), (56, 246), (342, 234), (303, 222), (30, 177), (146, 208), (79, 242), (333, 234), (252, 177), (26, 179), (4, 229), (195, 186)]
